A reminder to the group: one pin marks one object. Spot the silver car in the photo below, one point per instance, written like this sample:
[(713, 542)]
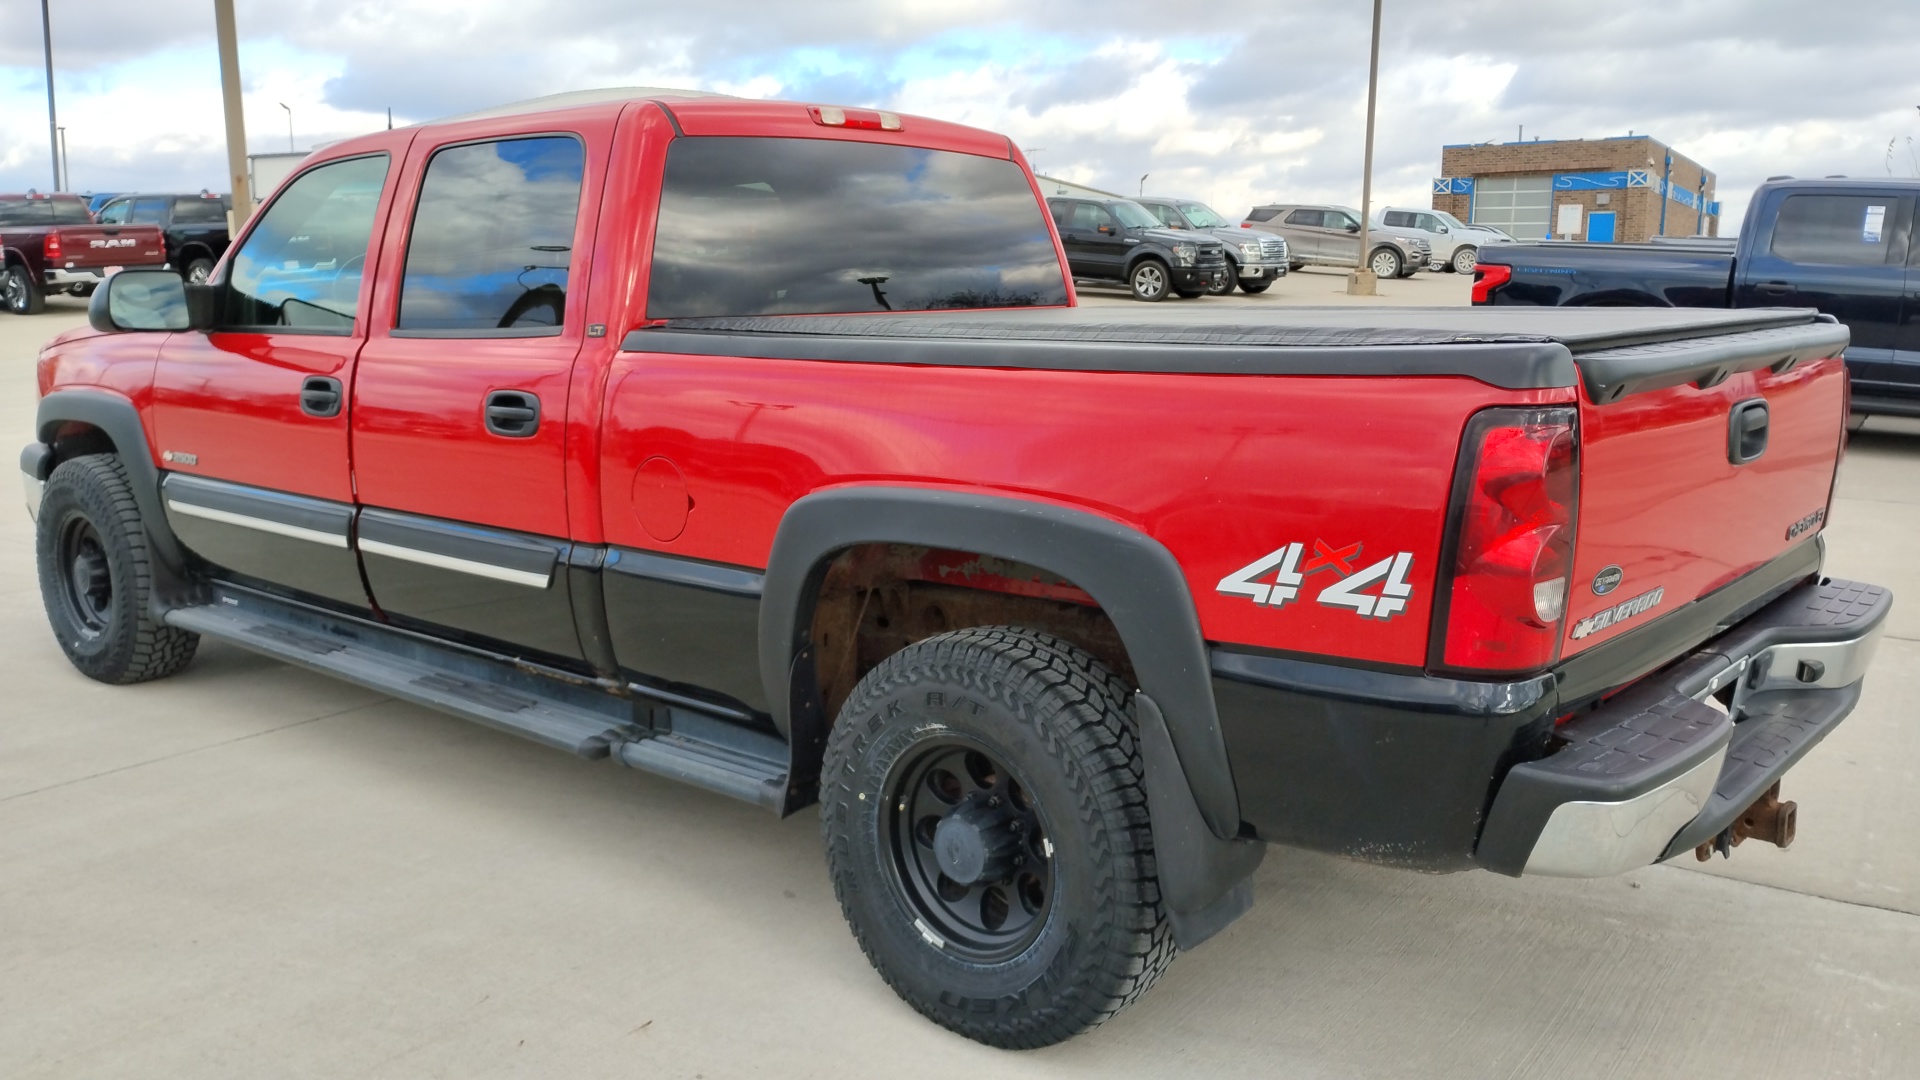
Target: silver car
[(1254, 260), (1456, 245), (1320, 234)]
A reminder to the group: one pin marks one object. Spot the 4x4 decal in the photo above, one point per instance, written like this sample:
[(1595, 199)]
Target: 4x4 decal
[(1288, 577)]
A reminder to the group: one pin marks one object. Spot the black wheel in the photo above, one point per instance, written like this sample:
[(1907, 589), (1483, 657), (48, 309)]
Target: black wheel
[(198, 271), (1148, 280), (1464, 260), (1191, 294), (1255, 287), (95, 576), (19, 293), (1224, 285), (1385, 263), (987, 835)]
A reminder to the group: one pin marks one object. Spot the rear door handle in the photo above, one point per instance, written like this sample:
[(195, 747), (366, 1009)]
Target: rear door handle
[(1774, 288), (513, 414), (320, 396)]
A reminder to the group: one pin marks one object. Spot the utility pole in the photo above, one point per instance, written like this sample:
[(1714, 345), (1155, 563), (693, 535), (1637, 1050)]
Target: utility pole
[(1361, 281), (236, 116), (53, 122), (66, 168)]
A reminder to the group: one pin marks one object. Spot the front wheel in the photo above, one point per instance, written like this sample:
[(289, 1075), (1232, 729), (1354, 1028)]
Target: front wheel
[(1255, 287), (987, 836), (19, 293), (198, 271), (96, 574), (1224, 285), (1385, 263), (1148, 280)]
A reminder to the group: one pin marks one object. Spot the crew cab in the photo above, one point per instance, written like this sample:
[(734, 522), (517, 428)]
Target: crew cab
[(1254, 262), (195, 226), (1844, 247), (49, 244), (1120, 240), (1060, 617)]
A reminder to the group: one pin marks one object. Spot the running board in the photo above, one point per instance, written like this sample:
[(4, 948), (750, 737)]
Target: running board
[(559, 710)]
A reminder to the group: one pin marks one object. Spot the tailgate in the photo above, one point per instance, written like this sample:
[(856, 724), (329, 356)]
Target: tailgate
[(1700, 462), (110, 245)]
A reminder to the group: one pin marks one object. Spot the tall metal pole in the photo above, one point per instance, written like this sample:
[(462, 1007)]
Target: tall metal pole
[(66, 168), (1361, 281), (53, 121), (236, 117)]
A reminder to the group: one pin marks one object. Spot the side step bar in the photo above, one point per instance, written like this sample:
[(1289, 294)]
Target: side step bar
[(585, 718)]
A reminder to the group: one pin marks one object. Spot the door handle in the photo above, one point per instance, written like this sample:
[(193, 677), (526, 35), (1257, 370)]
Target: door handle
[(1774, 288), (320, 396), (512, 414)]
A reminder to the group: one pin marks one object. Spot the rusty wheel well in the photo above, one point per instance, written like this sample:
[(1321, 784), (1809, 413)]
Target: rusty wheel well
[(877, 599)]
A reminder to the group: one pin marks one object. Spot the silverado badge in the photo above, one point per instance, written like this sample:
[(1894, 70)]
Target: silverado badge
[(1607, 580)]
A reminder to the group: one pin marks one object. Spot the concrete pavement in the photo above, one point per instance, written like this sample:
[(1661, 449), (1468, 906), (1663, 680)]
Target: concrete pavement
[(249, 871)]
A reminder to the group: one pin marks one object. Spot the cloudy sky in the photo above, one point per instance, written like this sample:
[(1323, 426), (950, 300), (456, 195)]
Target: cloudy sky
[(1236, 104)]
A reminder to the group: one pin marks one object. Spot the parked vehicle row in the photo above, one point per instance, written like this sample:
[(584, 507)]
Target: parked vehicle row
[(61, 243), (1328, 235)]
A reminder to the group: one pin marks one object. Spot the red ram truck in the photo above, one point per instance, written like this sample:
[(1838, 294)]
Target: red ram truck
[(49, 244), (762, 445)]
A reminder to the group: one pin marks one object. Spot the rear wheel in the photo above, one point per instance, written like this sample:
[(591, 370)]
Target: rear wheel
[(19, 293), (95, 576), (1464, 260), (987, 835), (1148, 280), (1385, 263)]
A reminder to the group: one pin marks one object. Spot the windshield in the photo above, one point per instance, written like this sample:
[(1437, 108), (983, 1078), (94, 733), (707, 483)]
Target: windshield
[(769, 226), (1133, 215), (1203, 216), (1448, 219)]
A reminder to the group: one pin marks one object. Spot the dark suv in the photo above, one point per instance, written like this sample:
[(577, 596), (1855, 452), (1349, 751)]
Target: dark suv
[(1120, 240), (195, 227)]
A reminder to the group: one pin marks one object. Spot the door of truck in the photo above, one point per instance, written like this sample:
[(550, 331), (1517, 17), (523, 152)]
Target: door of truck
[(250, 419), (1841, 251), (460, 396), (1096, 245)]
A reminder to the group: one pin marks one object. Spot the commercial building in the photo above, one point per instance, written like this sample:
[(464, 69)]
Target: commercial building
[(1624, 189)]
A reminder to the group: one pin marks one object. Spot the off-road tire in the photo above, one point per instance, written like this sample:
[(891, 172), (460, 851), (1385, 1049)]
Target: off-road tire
[(1061, 722), (1149, 280), (19, 293), (109, 635)]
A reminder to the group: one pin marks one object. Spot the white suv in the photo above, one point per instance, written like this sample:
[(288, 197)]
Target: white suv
[(1456, 245)]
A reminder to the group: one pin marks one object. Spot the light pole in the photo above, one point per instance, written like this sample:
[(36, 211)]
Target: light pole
[(53, 123), (236, 117), (289, 109), (66, 170), (1361, 281)]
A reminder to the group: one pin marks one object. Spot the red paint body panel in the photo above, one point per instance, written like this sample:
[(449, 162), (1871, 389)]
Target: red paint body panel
[(1231, 468), (1659, 498)]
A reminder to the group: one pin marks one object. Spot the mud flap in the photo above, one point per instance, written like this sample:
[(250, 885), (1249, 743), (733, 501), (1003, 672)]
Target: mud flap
[(1205, 882)]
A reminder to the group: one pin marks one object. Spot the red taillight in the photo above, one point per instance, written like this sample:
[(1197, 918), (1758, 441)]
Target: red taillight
[(1514, 500), (1246, 225), (864, 119), (50, 247), (1488, 277)]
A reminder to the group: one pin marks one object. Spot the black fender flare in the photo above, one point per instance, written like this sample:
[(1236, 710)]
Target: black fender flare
[(1133, 577), (119, 418)]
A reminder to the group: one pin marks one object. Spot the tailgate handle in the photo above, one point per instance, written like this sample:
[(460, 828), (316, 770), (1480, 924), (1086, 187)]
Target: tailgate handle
[(1747, 431)]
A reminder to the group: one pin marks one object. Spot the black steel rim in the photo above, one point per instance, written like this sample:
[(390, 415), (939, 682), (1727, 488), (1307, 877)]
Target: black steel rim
[(88, 576), (966, 787)]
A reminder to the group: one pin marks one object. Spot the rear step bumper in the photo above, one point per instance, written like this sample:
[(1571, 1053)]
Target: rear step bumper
[(1669, 763)]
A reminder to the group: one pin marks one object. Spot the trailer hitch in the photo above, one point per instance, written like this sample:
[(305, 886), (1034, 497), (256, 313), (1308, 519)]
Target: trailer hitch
[(1767, 819)]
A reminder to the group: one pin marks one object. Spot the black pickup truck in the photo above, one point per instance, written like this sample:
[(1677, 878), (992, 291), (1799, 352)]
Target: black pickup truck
[(1842, 246)]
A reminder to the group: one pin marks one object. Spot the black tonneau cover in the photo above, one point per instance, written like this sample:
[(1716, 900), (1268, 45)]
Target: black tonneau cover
[(1615, 351)]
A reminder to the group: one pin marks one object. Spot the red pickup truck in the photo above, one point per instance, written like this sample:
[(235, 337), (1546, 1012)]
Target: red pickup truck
[(762, 445), (49, 244)]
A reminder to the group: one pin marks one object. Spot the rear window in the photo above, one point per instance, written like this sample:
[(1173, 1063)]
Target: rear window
[(767, 226), (199, 212), (17, 211), (1400, 219), (1840, 230)]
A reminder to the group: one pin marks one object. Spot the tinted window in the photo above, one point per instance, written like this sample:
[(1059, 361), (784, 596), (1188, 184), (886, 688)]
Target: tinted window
[(55, 211), (493, 236), (302, 265), (1304, 217), (71, 212), (149, 211), (1259, 213), (1837, 230), (199, 212), (1399, 219), (753, 226), (115, 212), (1062, 211)]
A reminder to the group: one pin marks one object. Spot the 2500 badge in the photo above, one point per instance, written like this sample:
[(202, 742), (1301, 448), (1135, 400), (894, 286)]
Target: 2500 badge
[(1289, 575)]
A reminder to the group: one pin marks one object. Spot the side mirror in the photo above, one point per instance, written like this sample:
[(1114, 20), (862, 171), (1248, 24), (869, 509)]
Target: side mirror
[(1353, 227), (1107, 229), (1443, 228), (150, 300)]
